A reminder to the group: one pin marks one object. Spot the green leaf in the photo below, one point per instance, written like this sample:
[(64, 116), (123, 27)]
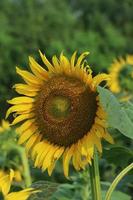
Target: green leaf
[(117, 117), (46, 190), (116, 154), (64, 193), (128, 107), (117, 195)]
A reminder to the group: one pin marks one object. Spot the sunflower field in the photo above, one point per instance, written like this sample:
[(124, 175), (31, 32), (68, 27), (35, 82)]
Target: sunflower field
[(66, 100)]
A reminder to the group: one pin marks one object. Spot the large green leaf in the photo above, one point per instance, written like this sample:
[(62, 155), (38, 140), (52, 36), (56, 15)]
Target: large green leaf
[(116, 154), (117, 195), (128, 107), (46, 190), (117, 116)]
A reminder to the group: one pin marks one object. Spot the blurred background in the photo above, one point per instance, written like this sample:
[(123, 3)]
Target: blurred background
[(105, 28)]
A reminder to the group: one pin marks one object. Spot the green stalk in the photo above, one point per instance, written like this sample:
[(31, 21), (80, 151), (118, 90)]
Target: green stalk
[(95, 178), (26, 170), (117, 180)]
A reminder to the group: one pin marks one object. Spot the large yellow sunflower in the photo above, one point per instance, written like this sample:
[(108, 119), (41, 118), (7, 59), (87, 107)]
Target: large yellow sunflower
[(121, 72), (5, 184), (61, 112)]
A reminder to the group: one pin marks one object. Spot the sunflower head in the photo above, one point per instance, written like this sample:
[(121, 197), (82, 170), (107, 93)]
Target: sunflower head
[(60, 112), (121, 73)]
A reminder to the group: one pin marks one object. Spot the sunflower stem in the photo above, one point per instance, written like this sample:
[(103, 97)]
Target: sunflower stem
[(95, 178), (26, 170), (117, 180)]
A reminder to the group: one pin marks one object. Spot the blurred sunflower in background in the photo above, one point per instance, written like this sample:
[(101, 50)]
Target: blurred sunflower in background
[(17, 174), (4, 168), (121, 72), (61, 113), (5, 185), (4, 126)]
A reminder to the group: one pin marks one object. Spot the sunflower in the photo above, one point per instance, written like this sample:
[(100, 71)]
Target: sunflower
[(121, 72), (17, 174), (61, 112), (5, 184)]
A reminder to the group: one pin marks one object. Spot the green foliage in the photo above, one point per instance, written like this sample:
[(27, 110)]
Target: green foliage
[(76, 188), (46, 190), (116, 115), (118, 195), (9, 157), (128, 107), (115, 155)]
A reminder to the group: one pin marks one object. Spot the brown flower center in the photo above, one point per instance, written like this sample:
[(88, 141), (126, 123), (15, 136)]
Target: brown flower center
[(65, 110), (59, 107)]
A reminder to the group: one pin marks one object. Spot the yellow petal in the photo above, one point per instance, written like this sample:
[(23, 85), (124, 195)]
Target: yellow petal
[(5, 182), (56, 63), (22, 117), (97, 142), (73, 59), (90, 152), (21, 100), (26, 87), (33, 140), (99, 78), (41, 156), (51, 168), (24, 107), (101, 122), (81, 57), (21, 195), (65, 65), (100, 113), (76, 158), (59, 152), (66, 159), (56, 156), (38, 149), (49, 157), (26, 90), (46, 62), (108, 137), (99, 130), (29, 78), (27, 134), (25, 126), (39, 152), (37, 69)]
